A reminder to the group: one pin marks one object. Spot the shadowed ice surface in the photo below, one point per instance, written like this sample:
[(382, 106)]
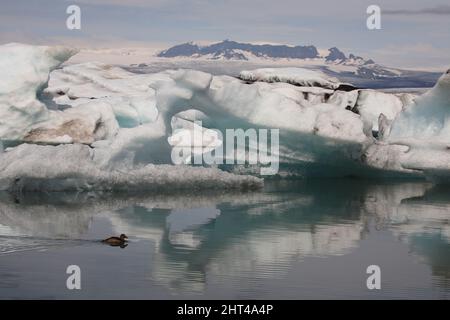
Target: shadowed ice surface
[(292, 240)]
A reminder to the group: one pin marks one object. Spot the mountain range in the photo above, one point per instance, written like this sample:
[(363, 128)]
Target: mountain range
[(232, 50), (364, 71)]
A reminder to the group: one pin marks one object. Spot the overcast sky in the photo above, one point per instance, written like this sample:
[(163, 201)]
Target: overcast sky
[(414, 33)]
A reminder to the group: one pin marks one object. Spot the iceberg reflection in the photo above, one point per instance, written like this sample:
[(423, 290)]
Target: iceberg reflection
[(199, 237)]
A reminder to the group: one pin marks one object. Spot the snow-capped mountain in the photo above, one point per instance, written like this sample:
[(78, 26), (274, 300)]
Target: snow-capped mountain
[(232, 50), (333, 61)]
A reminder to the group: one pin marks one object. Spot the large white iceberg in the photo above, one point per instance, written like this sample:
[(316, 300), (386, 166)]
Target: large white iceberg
[(108, 125), (228, 102)]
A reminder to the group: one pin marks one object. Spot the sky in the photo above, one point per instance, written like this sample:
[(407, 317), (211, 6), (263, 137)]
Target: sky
[(413, 34)]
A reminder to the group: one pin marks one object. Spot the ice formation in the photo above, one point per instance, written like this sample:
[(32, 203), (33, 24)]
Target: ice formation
[(23, 117), (102, 127), (296, 76), (424, 127), (25, 72), (73, 168)]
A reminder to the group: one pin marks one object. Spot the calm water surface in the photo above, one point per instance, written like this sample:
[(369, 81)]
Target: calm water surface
[(293, 240)]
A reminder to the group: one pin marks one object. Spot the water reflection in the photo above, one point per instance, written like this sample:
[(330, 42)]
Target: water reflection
[(233, 236)]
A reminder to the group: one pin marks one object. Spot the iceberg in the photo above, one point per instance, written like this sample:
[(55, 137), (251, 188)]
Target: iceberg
[(225, 101), (296, 76), (94, 126)]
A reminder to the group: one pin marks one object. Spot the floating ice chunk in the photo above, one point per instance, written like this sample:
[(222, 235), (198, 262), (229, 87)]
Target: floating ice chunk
[(296, 76)]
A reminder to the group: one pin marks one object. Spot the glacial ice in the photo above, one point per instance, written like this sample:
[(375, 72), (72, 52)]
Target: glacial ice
[(107, 128), (296, 76), (370, 104), (25, 71), (31, 167), (427, 118), (424, 127), (24, 118), (129, 95)]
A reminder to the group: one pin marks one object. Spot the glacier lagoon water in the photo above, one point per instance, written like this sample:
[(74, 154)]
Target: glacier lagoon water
[(292, 240)]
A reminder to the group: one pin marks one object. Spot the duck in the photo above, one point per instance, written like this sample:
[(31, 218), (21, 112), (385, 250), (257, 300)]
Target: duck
[(120, 241)]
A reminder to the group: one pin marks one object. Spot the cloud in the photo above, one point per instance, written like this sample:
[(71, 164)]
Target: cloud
[(438, 10), (418, 56)]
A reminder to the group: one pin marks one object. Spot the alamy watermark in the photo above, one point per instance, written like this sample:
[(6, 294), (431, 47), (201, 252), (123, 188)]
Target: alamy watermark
[(373, 21), (201, 146), (73, 21), (374, 280), (73, 282)]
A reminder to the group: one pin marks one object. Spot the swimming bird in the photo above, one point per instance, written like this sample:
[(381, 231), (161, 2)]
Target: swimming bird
[(120, 241)]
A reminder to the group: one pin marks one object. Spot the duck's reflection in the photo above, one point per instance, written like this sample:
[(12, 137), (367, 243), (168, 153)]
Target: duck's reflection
[(261, 233)]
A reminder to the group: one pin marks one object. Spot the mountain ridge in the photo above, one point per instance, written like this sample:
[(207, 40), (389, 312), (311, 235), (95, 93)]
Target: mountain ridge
[(364, 72), (233, 50)]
